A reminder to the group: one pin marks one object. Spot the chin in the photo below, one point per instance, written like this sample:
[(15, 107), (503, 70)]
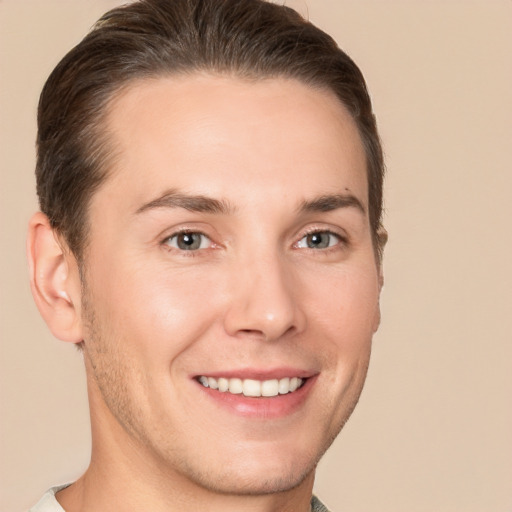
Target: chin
[(257, 472), (255, 482)]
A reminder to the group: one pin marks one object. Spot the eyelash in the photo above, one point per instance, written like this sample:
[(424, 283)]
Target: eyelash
[(191, 252), (341, 240)]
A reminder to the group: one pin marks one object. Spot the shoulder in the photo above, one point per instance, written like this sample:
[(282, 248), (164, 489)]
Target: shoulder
[(48, 503), (317, 505)]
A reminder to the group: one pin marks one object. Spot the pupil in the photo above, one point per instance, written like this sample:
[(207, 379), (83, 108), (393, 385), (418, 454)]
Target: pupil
[(189, 241), (318, 240)]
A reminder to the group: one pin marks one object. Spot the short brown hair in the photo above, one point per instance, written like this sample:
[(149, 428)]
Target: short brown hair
[(151, 38)]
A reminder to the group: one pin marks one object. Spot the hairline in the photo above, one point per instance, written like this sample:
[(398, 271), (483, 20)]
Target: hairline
[(107, 151)]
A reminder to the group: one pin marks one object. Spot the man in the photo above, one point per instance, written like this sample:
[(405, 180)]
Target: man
[(210, 180)]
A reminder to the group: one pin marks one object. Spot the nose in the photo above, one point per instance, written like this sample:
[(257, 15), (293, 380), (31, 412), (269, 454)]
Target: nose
[(265, 301)]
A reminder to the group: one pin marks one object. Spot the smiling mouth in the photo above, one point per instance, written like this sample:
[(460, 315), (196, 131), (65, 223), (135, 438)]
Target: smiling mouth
[(251, 387)]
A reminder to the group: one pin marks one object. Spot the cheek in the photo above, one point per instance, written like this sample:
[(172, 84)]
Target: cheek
[(346, 303), (157, 311)]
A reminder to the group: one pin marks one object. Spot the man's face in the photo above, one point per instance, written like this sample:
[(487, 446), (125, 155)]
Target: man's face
[(230, 246)]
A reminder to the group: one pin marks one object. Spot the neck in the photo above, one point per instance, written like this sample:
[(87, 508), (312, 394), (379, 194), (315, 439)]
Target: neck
[(104, 487), (93, 493)]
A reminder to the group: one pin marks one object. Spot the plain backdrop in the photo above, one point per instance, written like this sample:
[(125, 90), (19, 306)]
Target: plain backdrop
[(433, 430)]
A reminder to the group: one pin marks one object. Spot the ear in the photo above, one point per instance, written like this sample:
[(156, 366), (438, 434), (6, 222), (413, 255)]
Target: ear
[(382, 239), (54, 280)]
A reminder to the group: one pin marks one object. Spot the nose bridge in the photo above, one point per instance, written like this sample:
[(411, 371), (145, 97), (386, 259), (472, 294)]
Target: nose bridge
[(264, 300)]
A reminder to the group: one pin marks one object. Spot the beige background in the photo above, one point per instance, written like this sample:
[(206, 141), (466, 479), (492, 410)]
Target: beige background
[(433, 431)]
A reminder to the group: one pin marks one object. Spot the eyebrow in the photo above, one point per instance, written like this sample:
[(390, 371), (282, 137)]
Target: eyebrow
[(204, 204), (330, 202), (193, 203)]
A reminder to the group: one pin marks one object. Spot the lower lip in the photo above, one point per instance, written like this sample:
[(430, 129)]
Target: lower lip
[(262, 407)]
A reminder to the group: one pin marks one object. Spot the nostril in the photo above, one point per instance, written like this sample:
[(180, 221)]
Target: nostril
[(254, 333), (268, 334)]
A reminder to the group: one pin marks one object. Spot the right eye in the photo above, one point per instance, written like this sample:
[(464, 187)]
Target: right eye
[(319, 240), (188, 241)]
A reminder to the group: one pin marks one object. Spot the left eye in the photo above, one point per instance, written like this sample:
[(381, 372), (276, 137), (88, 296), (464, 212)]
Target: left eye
[(318, 240), (188, 241)]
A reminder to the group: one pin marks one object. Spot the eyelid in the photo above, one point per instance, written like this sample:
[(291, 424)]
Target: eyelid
[(176, 235), (175, 232), (343, 239), (340, 233)]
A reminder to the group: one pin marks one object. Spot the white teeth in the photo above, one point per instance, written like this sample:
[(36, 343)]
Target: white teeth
[(270, 388), (284, 386), (294, 383), (235, 386), (252, 387), (223, 385)]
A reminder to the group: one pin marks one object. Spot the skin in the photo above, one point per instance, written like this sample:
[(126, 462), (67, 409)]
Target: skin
[(256, 294)]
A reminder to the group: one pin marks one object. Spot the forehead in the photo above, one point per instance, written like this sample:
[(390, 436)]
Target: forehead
[(209, 134)]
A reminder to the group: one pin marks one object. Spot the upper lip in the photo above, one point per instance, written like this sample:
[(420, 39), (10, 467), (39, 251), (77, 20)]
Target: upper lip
[(259, 374)]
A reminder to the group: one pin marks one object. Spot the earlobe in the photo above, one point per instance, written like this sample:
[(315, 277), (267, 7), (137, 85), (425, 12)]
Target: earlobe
[(54, 280), (382, 240)]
